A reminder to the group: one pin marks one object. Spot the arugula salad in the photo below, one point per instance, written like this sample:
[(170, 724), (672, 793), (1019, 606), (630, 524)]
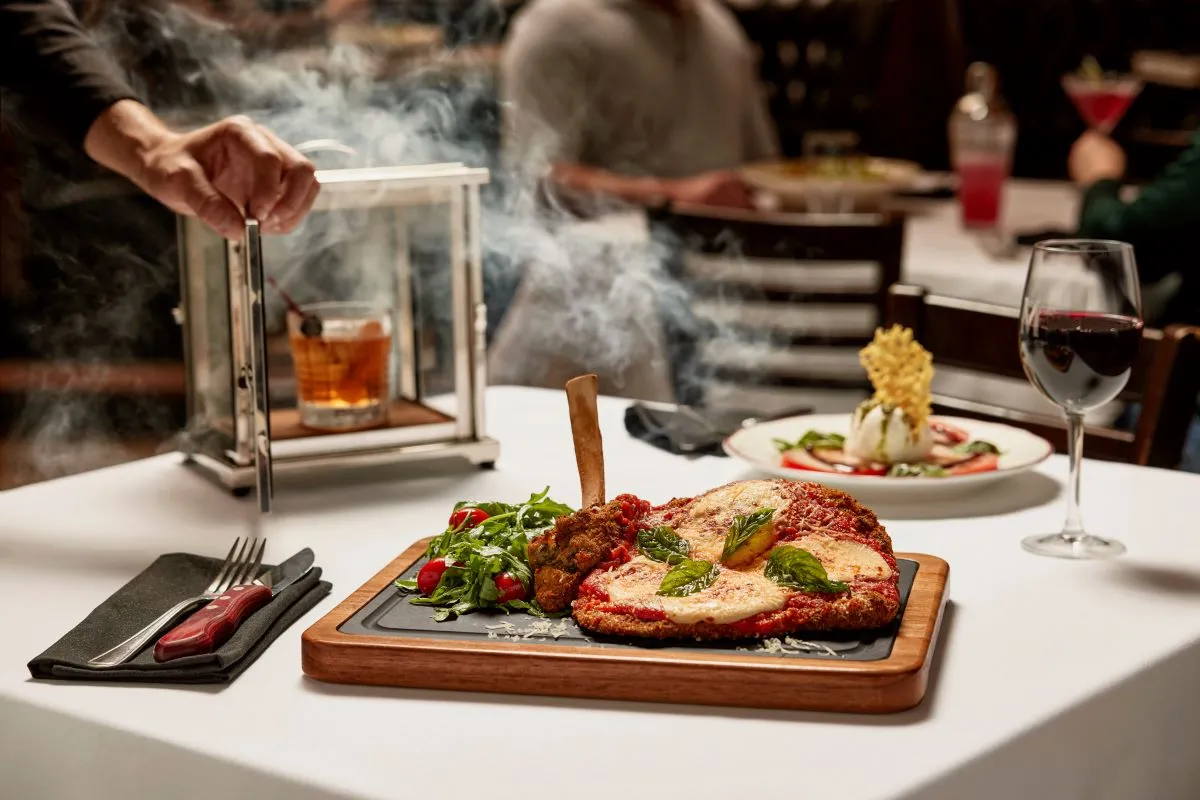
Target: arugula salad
[(479, 561)]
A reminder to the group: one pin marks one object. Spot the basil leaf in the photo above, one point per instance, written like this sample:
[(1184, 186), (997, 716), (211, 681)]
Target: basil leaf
[(743, 527), (977, 446), (663, 544), (800, 569), (917, 470), (688, 577), (812, 439)]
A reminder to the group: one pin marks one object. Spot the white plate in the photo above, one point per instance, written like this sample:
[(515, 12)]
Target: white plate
[(1020, 451), (794, 191)]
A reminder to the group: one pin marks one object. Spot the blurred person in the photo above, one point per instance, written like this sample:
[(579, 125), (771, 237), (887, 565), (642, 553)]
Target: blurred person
[(1160, 223), (645, 100), (220, 173)]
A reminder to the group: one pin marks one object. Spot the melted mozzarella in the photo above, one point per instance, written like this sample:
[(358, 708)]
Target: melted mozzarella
[(844, 560), (733, 595), (884, 435)]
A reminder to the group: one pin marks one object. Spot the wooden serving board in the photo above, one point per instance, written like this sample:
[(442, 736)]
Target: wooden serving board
[(879, 673)]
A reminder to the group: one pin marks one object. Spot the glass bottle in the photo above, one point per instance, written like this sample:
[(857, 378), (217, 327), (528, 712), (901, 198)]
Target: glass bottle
[(983, 134)]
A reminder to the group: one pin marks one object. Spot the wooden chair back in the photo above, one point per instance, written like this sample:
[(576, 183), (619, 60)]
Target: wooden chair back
[(781, 300), (983, 338)]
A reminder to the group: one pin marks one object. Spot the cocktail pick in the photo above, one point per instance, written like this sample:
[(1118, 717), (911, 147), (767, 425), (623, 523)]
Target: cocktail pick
[(310, 324)]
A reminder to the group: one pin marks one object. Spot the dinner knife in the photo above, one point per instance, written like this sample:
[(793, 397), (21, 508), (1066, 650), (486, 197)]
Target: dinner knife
[(211, 626)]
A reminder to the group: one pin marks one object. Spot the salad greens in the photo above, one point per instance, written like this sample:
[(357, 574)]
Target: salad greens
[(976, 447), (811, 440), (476, 553), (916, 470)]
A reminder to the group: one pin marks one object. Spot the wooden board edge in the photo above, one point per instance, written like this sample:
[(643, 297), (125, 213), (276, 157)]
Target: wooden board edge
[(896, 684)]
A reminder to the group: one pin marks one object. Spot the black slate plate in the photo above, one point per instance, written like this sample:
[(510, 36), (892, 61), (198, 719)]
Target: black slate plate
[(390, 614)]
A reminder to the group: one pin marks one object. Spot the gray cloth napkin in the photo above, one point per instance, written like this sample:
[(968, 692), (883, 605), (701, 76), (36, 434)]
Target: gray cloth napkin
[(170, 579)]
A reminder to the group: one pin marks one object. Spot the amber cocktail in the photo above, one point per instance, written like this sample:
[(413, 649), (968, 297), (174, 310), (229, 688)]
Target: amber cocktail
[(342, 358)]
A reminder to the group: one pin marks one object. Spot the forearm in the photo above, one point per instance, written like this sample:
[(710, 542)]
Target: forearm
[(121, 137), (592, 180), (59, 70)]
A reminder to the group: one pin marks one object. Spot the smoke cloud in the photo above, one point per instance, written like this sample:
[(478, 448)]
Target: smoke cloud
[(582, 301)]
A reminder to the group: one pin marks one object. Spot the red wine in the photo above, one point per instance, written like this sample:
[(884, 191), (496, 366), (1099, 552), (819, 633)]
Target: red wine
[(1080, 360)]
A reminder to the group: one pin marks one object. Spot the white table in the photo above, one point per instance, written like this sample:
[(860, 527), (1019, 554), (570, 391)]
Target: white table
[(1055, 679)]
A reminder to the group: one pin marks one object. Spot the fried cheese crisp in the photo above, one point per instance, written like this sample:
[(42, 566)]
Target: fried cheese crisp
[(901, 372)]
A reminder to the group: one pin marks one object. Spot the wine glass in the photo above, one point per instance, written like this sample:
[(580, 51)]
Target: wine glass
[(1081, 329)]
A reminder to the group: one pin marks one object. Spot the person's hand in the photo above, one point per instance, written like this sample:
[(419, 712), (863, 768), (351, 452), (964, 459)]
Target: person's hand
[(1095, 157), (711, 189), (222, 173), (228, 171)]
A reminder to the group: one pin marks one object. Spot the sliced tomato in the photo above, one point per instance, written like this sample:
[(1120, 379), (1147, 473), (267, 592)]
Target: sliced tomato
[(984, 462), (802, 459), (945, 433)]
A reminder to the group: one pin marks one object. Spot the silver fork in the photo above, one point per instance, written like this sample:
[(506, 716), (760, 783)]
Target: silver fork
[(236, 569)]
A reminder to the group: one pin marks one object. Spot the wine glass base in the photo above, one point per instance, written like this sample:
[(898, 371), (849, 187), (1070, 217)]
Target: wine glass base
[(1077, 546)]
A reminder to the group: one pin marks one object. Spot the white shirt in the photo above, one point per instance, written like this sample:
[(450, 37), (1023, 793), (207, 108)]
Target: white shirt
[(626, 86)]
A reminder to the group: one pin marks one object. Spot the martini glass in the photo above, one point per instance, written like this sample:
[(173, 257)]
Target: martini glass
[(1101, 101)]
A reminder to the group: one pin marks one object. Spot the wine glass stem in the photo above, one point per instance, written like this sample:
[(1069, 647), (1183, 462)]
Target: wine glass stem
[(1074, 525)]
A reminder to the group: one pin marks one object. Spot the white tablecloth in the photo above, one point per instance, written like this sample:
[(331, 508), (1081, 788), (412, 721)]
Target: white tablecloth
[(1053, 679)]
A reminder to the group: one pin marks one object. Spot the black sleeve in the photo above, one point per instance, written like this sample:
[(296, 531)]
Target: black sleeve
[(57, 68)]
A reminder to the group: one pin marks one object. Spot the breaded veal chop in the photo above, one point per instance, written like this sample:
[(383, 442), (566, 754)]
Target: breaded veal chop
[(592, 559)]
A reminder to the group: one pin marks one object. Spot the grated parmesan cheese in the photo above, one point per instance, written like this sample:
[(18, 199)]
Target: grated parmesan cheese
[(537, 629), (789, 646)]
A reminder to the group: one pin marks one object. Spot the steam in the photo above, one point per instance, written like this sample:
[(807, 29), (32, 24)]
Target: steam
[(590, 304)]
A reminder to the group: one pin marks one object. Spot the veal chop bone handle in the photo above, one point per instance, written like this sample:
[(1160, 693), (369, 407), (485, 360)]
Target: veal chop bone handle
[(209, 628), (585, 430)]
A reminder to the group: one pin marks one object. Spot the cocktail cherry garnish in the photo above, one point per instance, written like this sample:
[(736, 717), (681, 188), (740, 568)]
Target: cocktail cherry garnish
[(310, 324)]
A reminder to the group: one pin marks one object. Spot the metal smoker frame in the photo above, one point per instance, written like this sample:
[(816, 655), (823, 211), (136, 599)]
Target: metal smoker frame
[(246, 456)]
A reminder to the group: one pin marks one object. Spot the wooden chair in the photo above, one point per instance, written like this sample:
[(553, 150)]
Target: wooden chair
[(778, 300), (982, 337)]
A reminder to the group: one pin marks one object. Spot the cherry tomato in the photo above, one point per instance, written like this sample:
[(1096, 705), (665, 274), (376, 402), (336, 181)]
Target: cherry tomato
[(430, 575), (509, 588), (471, 516), (984, 462)]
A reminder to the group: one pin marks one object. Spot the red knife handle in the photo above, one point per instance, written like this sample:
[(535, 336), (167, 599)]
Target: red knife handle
[(209, 628)]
